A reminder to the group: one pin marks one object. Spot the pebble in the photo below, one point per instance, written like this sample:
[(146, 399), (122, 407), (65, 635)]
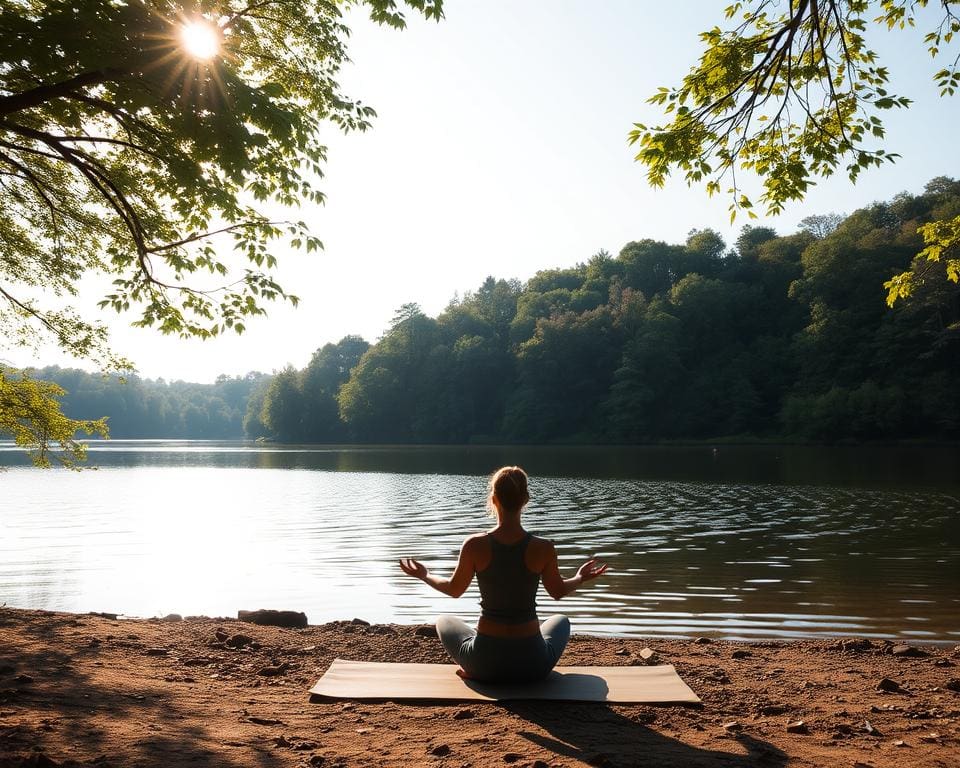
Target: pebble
[(172, 617), (773, 709), (899, 743), (647, 654), (703, 641), (24, 679), (930, 738), (622, 652), (890, 686), (868, 727), (360, 622), (463, 714), (426, 631), (221, 635), (539, 764), (316, 761), (740, 654), (798, 727), (157, 651), (953, 685), (264, 720), (441, 750), (274, 671), (511, 757), (943, 663), (907, 651), (732, 726), (238, 641)]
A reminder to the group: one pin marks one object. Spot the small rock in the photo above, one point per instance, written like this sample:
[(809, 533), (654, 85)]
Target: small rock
[(172, 617), (943, 663), (622, 652), (103, 615), (930, 738), (441, 750), (316, 761), (855, 644), (907, 651), (890, 686), (868, 727), (539, 764), (426, 631), (274, 671), (732, 726), (953, 685), (773, 709), (361, 623), (899, 743), (647, 654), (157, 651), (221, 636), (264, 720), (238, 641), (23, 679), (280, 742), (511, 757), (740, 654), (703, 641), (798, 727), (463, 714), (272, 618)]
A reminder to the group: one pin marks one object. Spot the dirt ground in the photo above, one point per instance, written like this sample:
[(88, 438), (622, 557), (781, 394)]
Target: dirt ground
[(89, 690)]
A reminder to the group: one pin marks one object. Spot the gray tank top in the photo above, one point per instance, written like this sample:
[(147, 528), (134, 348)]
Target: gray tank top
[(508, 589)]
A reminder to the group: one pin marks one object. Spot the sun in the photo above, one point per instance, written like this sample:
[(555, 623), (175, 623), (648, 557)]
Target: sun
[(200, 39)]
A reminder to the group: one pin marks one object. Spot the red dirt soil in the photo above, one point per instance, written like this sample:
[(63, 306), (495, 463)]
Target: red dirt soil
[(87, 690)]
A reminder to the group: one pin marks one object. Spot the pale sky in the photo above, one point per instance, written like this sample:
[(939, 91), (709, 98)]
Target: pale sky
[(500, 148)]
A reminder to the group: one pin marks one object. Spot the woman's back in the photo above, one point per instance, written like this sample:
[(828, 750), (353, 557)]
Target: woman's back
[(508, 588)]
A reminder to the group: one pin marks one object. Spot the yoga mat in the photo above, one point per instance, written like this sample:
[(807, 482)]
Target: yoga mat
[(371, 680)]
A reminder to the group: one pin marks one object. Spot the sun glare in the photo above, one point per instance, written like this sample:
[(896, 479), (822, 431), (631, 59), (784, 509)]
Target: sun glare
[(200, 39)]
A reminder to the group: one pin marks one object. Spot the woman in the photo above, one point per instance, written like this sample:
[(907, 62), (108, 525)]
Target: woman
[(509, 643)]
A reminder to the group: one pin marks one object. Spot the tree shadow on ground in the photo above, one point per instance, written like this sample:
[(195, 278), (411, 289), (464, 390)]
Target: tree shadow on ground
[(56, 702), (598, 735)]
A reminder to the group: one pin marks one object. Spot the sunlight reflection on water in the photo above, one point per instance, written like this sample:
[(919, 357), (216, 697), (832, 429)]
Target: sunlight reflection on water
[(688, 558)]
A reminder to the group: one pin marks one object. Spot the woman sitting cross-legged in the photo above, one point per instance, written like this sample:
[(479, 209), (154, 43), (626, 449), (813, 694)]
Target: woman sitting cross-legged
[(509, 643)]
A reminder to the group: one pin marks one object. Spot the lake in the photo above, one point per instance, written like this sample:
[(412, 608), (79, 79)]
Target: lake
[(728, 541)]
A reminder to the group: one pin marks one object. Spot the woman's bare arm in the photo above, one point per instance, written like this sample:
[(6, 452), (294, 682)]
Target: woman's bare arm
[(454, 586), (557, 586)]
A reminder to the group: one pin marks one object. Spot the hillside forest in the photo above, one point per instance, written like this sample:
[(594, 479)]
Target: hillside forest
[(773, 337)]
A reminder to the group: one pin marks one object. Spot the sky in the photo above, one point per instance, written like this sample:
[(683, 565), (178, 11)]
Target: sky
[(500, 148)]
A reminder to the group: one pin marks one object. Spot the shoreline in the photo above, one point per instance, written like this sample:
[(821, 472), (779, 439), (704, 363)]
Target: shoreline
[(91, 690)]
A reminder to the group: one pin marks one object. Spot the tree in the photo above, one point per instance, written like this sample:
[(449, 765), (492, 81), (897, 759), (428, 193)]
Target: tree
[(791, 93), (144, 142), (30, 413)]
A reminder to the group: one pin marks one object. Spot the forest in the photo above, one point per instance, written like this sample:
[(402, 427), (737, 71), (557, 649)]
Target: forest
[(146, 408), (775, 337)]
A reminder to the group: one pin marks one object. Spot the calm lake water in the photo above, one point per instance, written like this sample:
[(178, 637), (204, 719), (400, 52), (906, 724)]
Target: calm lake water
[(738, 542)]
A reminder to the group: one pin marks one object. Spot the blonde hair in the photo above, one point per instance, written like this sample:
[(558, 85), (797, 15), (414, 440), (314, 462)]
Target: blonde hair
[(508, 485)]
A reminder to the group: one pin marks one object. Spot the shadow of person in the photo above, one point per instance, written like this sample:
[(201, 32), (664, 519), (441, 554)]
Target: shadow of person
[(598, 735), (557, 686)]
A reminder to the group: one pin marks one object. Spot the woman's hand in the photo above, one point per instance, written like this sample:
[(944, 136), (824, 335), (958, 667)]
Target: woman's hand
[(591, 569), (414, 568)]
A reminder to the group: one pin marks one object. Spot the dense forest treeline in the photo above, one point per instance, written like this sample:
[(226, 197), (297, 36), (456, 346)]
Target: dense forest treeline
[(781, 337), (145, 408)]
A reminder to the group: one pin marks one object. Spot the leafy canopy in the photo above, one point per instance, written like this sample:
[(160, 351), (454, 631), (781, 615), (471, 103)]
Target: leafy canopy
[(30, 413), (790, 91), (122, 153)]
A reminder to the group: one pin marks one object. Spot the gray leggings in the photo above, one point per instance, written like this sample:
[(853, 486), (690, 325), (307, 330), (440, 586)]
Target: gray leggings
[(504, 659)]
